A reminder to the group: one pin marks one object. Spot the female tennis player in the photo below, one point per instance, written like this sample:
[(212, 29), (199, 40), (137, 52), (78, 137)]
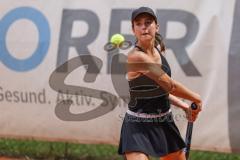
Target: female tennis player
[(148, 128)]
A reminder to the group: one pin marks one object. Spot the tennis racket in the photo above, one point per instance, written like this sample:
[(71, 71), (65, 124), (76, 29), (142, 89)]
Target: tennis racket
[(189, 133)]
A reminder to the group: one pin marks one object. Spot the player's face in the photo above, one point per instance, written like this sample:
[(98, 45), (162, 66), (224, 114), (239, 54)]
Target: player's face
[(144, 27)]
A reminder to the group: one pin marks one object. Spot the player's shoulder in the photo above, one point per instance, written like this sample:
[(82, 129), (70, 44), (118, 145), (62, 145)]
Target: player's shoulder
[(163, 53)]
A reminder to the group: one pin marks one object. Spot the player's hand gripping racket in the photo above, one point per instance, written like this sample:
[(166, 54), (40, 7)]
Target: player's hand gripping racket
[(189, 133)]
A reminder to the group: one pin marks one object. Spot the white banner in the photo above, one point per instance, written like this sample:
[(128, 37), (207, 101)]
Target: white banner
[(38, 37)]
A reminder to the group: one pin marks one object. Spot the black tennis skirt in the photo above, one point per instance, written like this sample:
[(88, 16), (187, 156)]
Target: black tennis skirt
[(153, 136)]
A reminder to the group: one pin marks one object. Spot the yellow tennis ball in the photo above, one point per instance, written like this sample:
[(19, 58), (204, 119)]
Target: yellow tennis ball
[(117, 39)]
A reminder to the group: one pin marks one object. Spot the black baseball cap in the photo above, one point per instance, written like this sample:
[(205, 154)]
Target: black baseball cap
[(142, 10)]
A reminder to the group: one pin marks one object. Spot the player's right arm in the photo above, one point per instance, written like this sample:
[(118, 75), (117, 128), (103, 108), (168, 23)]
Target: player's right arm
[(139, 62)]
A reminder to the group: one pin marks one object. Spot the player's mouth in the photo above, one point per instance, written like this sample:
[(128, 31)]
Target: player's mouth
[(144, 34)]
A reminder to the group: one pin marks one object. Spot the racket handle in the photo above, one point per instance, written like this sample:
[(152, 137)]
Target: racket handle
[(194, 106), (189, 133)]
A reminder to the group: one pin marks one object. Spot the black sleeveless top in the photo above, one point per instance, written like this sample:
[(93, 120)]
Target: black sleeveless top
[(146, 96)]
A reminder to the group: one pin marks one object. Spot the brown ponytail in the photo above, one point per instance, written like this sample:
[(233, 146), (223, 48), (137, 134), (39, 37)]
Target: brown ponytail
[(159, 41)]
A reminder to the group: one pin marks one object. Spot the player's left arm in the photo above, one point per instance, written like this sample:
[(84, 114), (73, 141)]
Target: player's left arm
[(183, 105), (178, 102)]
